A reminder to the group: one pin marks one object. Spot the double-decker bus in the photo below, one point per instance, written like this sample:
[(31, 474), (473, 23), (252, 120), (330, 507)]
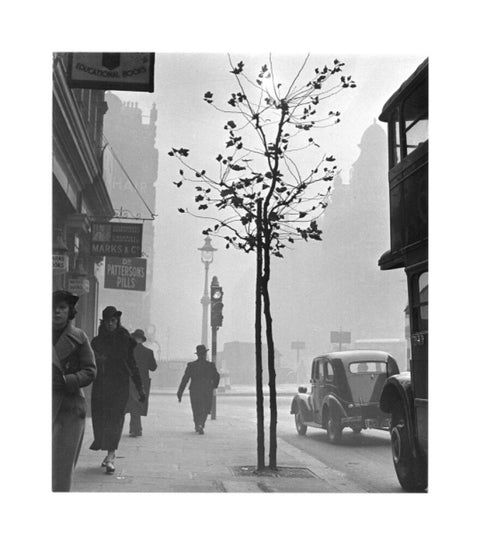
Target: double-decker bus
[(405, 395)]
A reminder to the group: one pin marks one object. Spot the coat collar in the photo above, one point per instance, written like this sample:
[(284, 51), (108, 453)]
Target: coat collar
[(68, 341)]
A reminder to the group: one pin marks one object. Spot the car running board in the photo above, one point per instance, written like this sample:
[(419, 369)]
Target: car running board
[(313, 425)]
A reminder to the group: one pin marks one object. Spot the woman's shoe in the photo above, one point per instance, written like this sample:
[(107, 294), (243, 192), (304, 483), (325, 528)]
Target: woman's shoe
[(109, 467), (104, 463)]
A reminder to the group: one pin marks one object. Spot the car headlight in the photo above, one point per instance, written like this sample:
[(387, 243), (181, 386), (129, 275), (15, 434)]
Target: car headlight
[(351, 405)]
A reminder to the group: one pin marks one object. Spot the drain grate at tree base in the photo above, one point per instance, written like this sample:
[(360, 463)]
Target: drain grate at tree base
[(293, 472)]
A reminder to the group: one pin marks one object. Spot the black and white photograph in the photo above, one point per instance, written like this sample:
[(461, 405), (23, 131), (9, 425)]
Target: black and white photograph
[(238, 287), (243, 245)]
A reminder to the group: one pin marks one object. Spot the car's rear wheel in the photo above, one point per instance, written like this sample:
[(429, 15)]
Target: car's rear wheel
[(410, 469), (334, 428), (357, 429), (299, 423)]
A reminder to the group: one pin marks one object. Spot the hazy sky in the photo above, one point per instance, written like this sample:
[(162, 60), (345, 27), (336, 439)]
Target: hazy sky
[(184, 119)]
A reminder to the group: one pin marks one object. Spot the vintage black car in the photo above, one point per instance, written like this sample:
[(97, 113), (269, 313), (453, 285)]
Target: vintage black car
[(345, 393)]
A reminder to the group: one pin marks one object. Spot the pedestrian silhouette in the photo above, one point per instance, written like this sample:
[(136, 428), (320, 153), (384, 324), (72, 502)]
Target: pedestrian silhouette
[(113, 349), (204, 378), (145, 362)]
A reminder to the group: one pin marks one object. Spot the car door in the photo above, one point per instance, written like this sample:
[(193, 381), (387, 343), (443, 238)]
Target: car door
[(317, 387), (329, 385)]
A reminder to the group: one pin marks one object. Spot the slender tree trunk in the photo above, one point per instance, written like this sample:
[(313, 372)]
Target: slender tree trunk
[(271, 357), (258, 344)]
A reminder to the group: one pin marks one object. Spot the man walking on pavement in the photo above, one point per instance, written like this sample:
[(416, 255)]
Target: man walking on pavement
[(204, 378), (145, 363)]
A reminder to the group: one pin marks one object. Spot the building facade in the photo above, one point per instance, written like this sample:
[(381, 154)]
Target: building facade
[(129, 141), (78, 189)]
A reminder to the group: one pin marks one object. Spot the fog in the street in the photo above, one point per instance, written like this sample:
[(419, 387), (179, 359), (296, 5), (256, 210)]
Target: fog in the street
[(318, 287)]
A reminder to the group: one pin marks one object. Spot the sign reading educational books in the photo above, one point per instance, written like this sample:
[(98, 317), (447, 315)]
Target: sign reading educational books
[(122, 71), (125, 274), (117, 239)]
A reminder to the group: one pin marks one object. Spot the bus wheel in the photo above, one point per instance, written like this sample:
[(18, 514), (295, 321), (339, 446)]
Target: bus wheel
[(411, 472), (299, 424)]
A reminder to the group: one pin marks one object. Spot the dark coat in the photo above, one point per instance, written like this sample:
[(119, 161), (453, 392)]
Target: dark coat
[(145, 362), (203, 377), (73, 368), (116, 364)]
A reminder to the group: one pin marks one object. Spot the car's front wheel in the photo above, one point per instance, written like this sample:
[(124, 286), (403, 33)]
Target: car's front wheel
[(299, 423), (411, 470)]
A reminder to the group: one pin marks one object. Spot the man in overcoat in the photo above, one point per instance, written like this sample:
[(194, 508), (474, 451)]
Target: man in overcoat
[(145, 362), (204, 378)]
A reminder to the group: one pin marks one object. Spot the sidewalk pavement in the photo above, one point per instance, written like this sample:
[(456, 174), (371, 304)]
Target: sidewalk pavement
[(171, 457), (241, 390)]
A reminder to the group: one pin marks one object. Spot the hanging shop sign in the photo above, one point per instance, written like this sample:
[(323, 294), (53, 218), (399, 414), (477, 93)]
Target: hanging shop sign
[(125, 274), (116, 239), (79, 285), (121, 71), (60, 263)]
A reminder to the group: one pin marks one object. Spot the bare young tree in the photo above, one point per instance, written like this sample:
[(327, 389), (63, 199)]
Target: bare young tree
[(262, 199)]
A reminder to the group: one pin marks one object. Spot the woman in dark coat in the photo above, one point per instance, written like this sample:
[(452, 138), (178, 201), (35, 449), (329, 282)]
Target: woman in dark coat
[(73, 368), (113, 349)]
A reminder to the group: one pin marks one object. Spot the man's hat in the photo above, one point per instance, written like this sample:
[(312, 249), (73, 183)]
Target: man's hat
[(139, 334), (201, 349), (110, 312), (62, 295)]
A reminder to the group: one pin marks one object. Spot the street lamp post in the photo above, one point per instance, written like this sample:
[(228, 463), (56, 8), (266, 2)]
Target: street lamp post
[(207, 257)]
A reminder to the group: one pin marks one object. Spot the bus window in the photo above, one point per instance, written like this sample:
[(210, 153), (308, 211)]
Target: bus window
[(395, 146), (420, 301), (415, 114)]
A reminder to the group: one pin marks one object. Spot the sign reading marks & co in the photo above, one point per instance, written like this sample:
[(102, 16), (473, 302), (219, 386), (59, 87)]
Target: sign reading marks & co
[(125, 274), (116, 239)]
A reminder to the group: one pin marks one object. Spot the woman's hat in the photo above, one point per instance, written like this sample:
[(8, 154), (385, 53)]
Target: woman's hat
[(61, 295), (139, 334), (201, 349), (110, 312)]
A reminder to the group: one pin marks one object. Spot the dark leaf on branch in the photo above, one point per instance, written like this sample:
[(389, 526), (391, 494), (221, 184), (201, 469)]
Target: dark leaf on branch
[(178, 184), (183, 151), (238, 69), (181, 172), (199, 198), (181, 210), (171, 153), (231, 124), (330, 158), (237, 167), (302, 215), (203, 207)]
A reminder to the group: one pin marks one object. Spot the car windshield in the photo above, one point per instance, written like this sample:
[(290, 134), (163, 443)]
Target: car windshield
[(375, 367)]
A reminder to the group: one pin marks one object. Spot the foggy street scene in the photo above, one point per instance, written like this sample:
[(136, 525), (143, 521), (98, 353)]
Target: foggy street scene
[(240, 273)]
